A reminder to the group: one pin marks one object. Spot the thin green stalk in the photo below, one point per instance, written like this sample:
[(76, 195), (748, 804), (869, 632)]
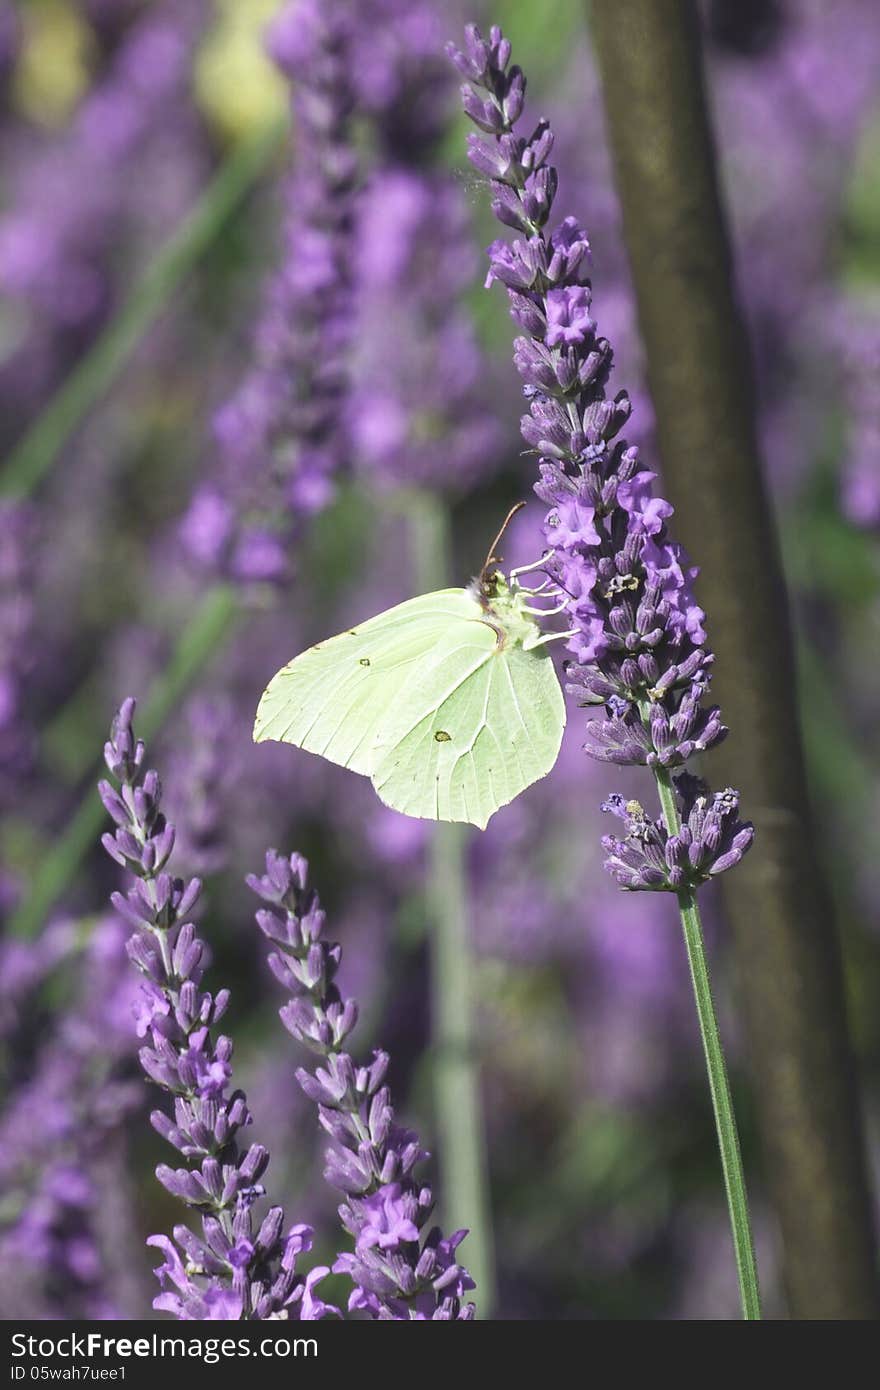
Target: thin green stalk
[(719, 1086), (36, 453), (209, 626), (781, 917), (456, 1072), (459, 1109)]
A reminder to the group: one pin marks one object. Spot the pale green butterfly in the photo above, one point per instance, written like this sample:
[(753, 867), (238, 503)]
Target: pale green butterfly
[(449, 702)]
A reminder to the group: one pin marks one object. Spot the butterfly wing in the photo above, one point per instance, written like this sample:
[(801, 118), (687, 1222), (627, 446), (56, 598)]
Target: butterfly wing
[(472, 728), (332, 698)]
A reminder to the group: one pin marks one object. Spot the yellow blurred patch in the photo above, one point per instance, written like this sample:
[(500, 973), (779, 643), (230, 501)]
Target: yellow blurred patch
[(237, 85), (52, 72)]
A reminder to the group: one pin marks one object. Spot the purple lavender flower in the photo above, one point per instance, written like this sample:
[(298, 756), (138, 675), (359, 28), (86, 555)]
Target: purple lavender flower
[(68, 1095), (711, 839), (416, 418), (78, 223), (17, 574), (71, 201), (401, 1269), (282, 435), (810, 97), (25, 965), (636, 629), (364, 357), (400, 76), (231, 1270), (202, 775)]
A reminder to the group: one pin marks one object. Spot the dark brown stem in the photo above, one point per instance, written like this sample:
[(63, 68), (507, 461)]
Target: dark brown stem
[(700, 378)]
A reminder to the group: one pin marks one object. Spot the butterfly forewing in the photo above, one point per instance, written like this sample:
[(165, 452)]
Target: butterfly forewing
[(332, 699)]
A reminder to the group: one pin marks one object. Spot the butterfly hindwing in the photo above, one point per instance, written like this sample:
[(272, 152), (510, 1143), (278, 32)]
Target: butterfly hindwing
[(332, 698), (476, 723), (428, 735)]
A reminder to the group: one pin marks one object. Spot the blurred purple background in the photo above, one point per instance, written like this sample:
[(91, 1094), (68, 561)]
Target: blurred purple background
[(329, 354)]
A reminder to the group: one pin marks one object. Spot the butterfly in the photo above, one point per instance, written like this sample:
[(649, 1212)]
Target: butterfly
[(448, 702)]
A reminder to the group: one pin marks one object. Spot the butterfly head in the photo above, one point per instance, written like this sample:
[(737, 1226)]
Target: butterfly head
[(490, 584), (504, 604)]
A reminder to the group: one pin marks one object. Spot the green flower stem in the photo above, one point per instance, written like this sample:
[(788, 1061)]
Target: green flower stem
[(36, 453), (719, 1086), (209, 627), (460, 1123), (650, 57), (456, 1070)]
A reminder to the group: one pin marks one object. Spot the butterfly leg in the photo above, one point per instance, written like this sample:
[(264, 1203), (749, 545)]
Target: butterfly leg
[(542, 588), (550, 637), (535, 565), (547, 612)]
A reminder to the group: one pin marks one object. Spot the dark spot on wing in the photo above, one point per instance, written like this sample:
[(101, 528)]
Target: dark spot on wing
[(364, 661), (352, 632), (442, 736)]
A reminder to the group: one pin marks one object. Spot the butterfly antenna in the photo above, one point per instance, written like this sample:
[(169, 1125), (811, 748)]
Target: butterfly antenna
[(492, 558)]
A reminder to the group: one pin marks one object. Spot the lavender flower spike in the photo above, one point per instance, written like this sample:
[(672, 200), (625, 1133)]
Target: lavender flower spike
[(282, 436), (401, 1269), (231, 1270), (636, 630), (710, 840)]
